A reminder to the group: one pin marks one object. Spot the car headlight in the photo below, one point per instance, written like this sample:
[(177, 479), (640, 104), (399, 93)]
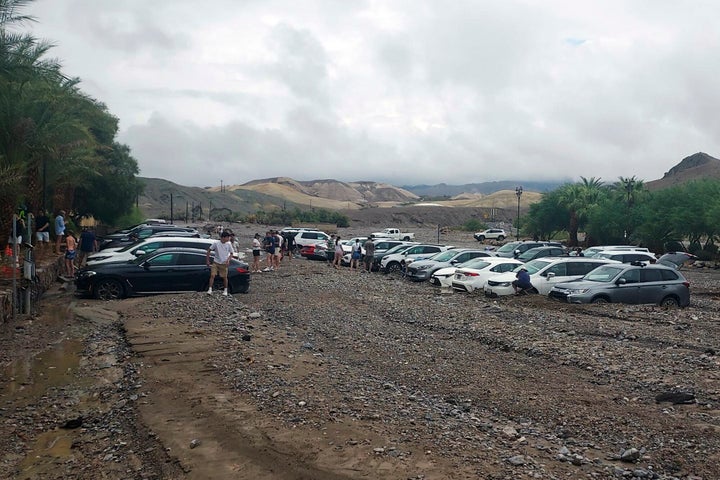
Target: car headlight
[(572, 291), (503, 284), (86, 273)]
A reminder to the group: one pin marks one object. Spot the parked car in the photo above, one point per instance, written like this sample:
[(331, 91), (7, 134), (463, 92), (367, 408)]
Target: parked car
[(635, 283), (627, 256), (421, 270), (676, 259), (396, 261), (377, 258), (140, 233), (319, 251), (544, 273), (473, 275), (592, 251), (513, 249), (491, 234), (165, 270), (143, 247), (540, 252), (444, 276), (310, 237)]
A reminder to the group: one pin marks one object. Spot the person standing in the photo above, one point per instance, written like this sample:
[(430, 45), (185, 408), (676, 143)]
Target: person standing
[(337, 261), (269, 243), (369, 257), (70, 246), (330, 252), (256, 247), (42, 230), (355, 254), (223, 254), (59, 230), (279, 245), (88, 245)]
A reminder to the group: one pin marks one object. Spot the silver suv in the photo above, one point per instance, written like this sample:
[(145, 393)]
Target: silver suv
[(636, 283)]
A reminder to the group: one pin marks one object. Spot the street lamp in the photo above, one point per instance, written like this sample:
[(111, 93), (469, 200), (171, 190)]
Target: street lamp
[(518, 192)]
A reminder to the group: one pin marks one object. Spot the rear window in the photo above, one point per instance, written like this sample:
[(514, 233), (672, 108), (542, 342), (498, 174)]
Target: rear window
[(650, 275), (669, 275)]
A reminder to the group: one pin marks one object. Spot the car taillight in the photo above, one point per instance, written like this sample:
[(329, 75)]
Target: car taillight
[(241, 270), (687, 284), (470, 274)]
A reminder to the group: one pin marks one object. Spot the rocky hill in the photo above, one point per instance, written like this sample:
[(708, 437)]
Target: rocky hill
[(697, 166)]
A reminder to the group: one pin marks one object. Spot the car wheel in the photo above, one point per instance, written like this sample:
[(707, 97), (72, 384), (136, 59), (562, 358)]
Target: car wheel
[(600, 300), (481, 238), (500, 238), (242, 288), (406, 239), (109, 290), (669, 302), (393, 267)]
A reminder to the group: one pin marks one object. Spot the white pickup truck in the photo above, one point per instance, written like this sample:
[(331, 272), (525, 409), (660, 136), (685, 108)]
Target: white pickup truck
[(393, 233)]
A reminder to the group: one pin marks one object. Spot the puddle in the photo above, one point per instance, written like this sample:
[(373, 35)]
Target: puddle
[(51, 449), (29, 379)]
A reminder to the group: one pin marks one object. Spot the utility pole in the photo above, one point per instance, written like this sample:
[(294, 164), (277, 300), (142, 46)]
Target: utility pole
[(518, 192)]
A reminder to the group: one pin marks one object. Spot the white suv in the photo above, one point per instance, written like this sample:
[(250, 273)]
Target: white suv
[(145, 246), (491, 234), (310, 237), (396, 261), (544, 274)]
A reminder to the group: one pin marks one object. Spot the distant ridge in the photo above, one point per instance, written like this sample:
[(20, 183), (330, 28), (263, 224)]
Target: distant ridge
[(486, 188), (695, 167)]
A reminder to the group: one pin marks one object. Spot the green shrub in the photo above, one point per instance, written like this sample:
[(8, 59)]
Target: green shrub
[(474, 225)]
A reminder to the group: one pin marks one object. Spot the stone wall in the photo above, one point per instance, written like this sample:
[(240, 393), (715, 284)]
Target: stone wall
[(46, 272)]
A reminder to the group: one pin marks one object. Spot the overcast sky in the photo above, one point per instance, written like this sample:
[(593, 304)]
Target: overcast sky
[(407, 91)]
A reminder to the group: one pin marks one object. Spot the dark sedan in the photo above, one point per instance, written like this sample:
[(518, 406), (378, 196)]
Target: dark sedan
[(165, 270)]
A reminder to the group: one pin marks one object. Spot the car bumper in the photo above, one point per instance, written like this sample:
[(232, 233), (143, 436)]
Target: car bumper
[(443, 281), (462, 287), (498, 290)]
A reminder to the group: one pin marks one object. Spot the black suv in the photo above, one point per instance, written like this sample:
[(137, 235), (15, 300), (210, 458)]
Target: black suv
[(513, 249), (140, 232)]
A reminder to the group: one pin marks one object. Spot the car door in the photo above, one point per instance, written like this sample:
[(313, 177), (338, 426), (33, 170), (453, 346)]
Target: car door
[(550, 276), (194, 271), (652, 287), (628, 292), (159, 273)]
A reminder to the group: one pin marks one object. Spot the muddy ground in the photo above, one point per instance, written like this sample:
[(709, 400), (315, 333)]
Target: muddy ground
[(320, 374)]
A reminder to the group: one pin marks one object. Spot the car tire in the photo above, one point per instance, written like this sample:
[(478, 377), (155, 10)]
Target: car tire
[(600, 300), (669, 302), (481, 238), (392, 267), (406, 239), (500, 238), (109, 290)]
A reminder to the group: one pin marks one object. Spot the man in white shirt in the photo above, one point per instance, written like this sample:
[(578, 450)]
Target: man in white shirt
[(223, 254)]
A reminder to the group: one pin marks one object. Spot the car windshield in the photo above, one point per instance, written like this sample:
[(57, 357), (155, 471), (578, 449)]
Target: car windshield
[(508, 247), (533, 266), (398, 249), (131, 246), (475, 263), (445, 256), (604, 274)]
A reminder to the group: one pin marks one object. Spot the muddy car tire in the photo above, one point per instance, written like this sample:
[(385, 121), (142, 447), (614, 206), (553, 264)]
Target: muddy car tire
[(669, 302), (109, 290), (600, 300), (393, 267)]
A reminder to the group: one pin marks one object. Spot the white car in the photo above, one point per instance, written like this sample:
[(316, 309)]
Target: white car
[(143, 247), (491, 234), (397, 261), (627, 256), (544, 274), (592, 251), (471, 276), (305, 238)]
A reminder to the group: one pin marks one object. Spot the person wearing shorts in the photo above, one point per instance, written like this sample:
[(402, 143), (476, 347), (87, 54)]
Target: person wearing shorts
[(70, 246), (223, 254), (256, 247), (270, 245), (42, 229), (59, 230)]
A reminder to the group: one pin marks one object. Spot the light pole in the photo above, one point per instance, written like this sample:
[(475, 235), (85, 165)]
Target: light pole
[(518, 192)]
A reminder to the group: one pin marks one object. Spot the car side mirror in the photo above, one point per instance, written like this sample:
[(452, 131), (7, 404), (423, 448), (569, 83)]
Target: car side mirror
[(621, 281), (139, 253), (550, 275)]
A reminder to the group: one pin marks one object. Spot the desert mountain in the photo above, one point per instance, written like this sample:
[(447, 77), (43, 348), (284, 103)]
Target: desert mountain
[(696, 166)]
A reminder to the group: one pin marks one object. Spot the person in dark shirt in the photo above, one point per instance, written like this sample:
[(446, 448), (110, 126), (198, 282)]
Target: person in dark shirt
[(42, 230), (88, 245), (522, 281)]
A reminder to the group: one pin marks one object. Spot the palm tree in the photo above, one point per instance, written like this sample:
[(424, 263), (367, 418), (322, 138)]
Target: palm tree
[(578, 198)]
